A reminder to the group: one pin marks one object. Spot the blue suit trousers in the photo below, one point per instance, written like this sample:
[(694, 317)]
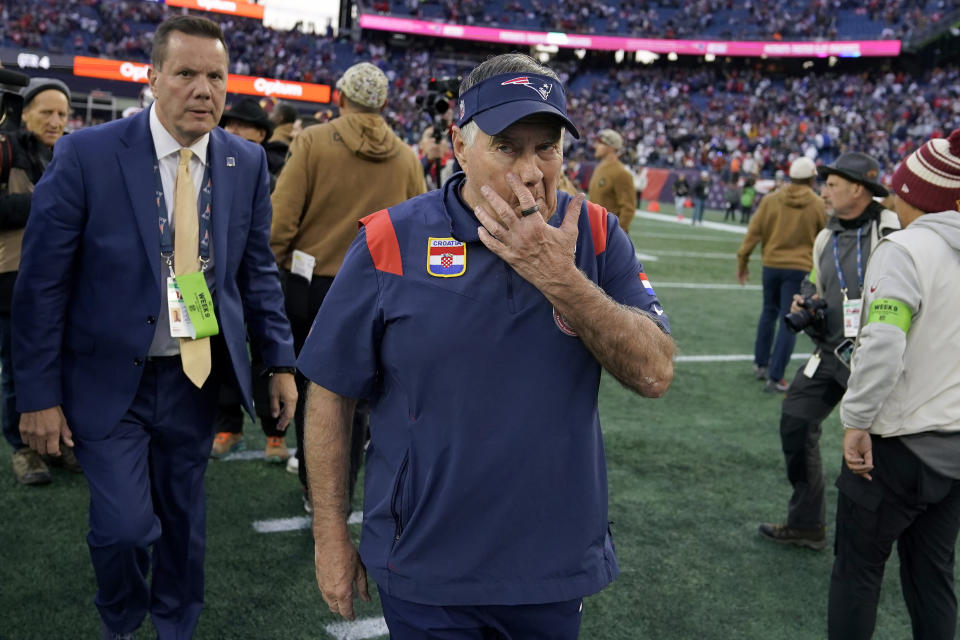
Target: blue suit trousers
[(147, 503)]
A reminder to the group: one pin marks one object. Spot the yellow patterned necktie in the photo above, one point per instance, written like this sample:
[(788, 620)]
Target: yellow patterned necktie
[(194, 354)]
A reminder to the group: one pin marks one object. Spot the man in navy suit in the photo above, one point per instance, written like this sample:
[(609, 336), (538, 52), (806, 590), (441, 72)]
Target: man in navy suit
[(96, 360)]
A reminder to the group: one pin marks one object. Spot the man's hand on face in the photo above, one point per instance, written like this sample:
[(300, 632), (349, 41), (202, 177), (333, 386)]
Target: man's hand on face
[(537, 251)]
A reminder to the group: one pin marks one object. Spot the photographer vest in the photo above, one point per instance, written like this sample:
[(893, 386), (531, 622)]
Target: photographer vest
[(886, 223)]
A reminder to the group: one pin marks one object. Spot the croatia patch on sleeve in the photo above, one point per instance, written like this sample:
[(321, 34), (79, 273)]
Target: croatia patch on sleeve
[(446, 257)]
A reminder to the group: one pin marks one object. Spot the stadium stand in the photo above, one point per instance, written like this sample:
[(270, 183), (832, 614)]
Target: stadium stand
[(720, 19)]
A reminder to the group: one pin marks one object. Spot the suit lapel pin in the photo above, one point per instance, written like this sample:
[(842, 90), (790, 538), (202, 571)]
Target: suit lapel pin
[(231, 161)]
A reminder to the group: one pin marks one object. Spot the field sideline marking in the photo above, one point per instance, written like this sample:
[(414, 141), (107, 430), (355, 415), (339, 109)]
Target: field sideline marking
[(358, 629), (719, 226), (706, 255), (298, 523), (253, 454), (731, 358), (707, 285), (684, 236)]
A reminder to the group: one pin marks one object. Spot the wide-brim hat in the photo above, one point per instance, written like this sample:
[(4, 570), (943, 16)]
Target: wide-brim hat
[(856, 167), (248, 110)]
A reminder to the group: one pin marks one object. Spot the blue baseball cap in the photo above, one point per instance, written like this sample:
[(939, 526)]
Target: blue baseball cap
[(498, 102)]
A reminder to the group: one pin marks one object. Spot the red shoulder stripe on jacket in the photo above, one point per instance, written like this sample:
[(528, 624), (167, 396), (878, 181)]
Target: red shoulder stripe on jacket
[(382, 242), (598, 226)]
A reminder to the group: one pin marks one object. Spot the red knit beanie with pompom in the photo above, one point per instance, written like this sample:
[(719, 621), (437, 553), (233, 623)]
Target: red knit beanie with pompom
[(929, 178)]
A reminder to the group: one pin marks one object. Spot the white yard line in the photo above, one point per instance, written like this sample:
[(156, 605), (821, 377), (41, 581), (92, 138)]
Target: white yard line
[(358, 629), (731, 358), (719, 226), (684, 236), (704, 255), (706, 285), (279, 525), (298, 523), (254, 454)]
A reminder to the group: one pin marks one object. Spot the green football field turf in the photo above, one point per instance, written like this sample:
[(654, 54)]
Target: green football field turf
[(692, 474)]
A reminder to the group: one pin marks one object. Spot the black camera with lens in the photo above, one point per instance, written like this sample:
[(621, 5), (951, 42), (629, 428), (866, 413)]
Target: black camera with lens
[(11, 102), (812, 317), (440, 98)]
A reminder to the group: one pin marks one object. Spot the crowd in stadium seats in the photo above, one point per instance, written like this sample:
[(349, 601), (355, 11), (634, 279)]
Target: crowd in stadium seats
[(721, 19), (705, 118), (669, 116)]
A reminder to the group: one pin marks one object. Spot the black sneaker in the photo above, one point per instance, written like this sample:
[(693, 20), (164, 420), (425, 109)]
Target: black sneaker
[(810, 538), (760, 373)]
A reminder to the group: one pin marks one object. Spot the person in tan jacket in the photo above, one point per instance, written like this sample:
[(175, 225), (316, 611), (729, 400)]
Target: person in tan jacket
[(786, 224), (611, 185), (337, 173)]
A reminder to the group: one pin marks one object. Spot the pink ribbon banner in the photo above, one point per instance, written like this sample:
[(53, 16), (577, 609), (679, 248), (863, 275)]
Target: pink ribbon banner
[(803, 49)]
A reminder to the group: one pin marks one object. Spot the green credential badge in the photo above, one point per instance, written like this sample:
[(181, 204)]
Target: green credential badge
[(199, 303), (890, 311)]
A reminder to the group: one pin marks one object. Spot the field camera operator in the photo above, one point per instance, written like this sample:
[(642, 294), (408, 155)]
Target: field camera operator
[(828, 309), (433, 148), (34, 119)]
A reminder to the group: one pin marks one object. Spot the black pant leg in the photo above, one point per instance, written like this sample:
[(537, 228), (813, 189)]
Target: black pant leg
[(905, 502), (927, 553), (302, 301), (229, 410), (861, 549), (807, 404)]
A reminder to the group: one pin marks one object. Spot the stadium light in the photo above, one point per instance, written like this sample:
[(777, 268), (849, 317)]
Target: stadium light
[(709, 57), (618, 56), (580, 53), (646, 57), (672, 56), (808, 64), (543, 52), (832, 61)]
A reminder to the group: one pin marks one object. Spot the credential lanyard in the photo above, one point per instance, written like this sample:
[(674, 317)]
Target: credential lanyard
[(836, 261), (166, 237)]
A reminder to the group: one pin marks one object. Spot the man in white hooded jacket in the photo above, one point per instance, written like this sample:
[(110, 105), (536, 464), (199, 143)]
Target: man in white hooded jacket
[(901, 413)]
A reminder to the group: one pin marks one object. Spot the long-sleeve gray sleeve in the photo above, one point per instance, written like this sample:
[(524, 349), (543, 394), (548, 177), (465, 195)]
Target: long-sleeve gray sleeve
[(878, 358)]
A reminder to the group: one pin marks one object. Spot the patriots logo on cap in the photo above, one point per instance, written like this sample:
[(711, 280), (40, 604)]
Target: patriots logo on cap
[(543, 90)]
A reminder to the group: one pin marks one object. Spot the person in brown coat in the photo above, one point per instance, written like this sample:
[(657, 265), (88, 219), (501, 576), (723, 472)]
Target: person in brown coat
[(611, 185), (337, 173), (786, 223)]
